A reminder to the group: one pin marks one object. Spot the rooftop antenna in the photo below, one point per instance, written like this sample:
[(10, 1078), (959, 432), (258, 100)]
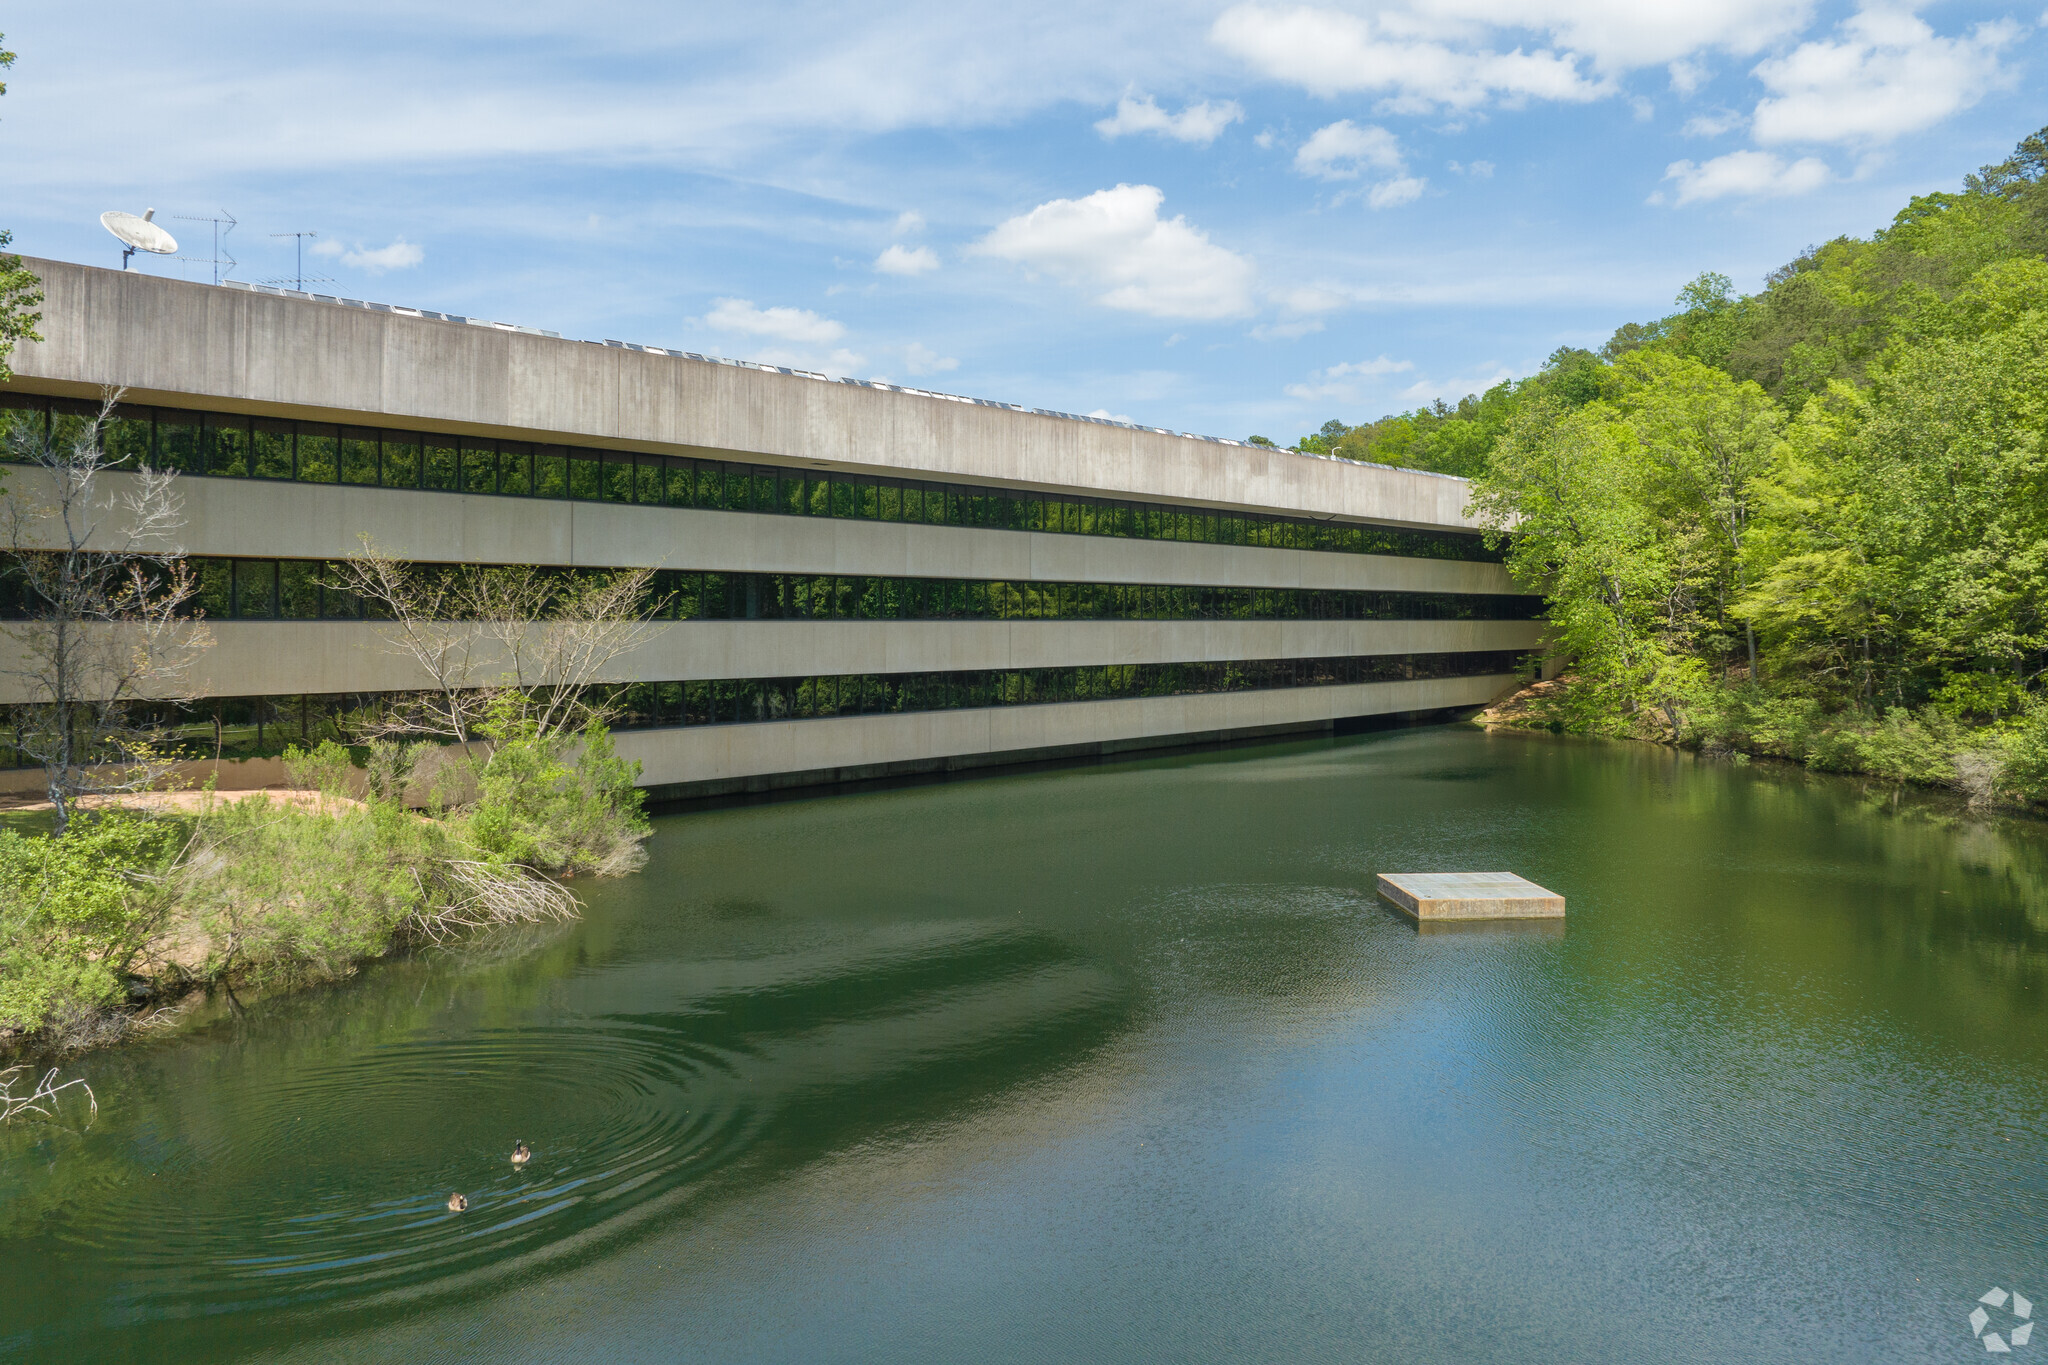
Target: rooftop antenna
[(220, 257), (138, 234), (298, 277)]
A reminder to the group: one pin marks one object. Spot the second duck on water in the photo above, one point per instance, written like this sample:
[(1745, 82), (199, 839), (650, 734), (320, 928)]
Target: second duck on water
[(521, 1153)]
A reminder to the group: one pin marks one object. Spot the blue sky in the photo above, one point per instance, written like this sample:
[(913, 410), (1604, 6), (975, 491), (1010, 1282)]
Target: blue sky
[(1226, 217)]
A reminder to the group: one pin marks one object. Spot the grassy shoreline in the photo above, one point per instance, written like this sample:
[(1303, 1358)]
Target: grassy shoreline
[(135, 906)]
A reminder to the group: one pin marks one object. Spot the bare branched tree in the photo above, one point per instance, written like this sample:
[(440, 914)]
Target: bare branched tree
[(107, 590), (427, 624), (560, 633), (482, 634)]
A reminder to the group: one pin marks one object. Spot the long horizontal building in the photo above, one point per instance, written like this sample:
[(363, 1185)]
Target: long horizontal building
[(857, 579)]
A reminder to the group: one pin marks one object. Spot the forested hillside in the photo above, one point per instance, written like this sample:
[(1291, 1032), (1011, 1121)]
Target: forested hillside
[(1811, 521)]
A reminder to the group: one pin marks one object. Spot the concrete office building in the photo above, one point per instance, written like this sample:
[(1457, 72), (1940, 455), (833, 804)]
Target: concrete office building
[(860, 579)]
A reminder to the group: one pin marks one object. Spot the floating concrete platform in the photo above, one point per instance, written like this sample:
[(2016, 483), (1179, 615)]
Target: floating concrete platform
[(1435, 896)]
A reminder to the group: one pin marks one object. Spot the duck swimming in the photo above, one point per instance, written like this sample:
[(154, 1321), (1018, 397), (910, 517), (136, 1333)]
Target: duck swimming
[(521, 1153), (458, 1202)]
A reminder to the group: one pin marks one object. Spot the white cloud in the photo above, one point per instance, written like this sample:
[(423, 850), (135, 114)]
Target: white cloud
[(1200, 123), (1687, 76), (1115, 240), (909, 223), (783, 324), (1888, 75), (1314, 298), (904, 260), (1343, 151), (921, 359), (1418, 55), (1748, 174), (1370, 368), (1621, 35), (1106, 415), (400, 255), (1478, 170), (1330, 52), (1344, 383), (1712, 125), (1394, 193)]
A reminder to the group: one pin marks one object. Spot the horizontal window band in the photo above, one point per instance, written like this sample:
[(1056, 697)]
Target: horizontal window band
[(306, 590), (237, 727), (230, 445)]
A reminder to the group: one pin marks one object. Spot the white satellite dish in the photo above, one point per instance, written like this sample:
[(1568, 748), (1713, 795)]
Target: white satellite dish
[(138, 234)]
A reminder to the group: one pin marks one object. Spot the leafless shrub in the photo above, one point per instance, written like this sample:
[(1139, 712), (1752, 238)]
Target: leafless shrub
[(625, 855), (1976, 776), (479, 633), (483, 895), (44, 1100), (108, 590)]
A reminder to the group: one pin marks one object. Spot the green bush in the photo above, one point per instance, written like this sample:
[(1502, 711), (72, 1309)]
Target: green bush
[(76, 911), (537, 809), (281, 893), (2023, 773)]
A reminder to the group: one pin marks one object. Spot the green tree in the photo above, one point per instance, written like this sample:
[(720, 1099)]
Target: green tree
[(1706, 441), (76, 911), (21, 293), (1569, 483)]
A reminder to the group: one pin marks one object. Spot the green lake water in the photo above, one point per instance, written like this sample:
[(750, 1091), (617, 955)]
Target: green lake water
[(1123, 1063)]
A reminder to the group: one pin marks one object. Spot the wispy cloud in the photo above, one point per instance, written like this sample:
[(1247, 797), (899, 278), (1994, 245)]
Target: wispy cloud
[(906, 260), (1286, 331), (1746, 175), (400, 255), (1344, 151), (921, 359), (1347, 382), (1393, 193), (1334, 52), (1198, 123), (783, 324)]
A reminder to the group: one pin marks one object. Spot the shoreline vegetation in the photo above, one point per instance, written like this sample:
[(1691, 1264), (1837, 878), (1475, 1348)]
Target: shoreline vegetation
[(138, 904), (1807, 524), (1990, 768)]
